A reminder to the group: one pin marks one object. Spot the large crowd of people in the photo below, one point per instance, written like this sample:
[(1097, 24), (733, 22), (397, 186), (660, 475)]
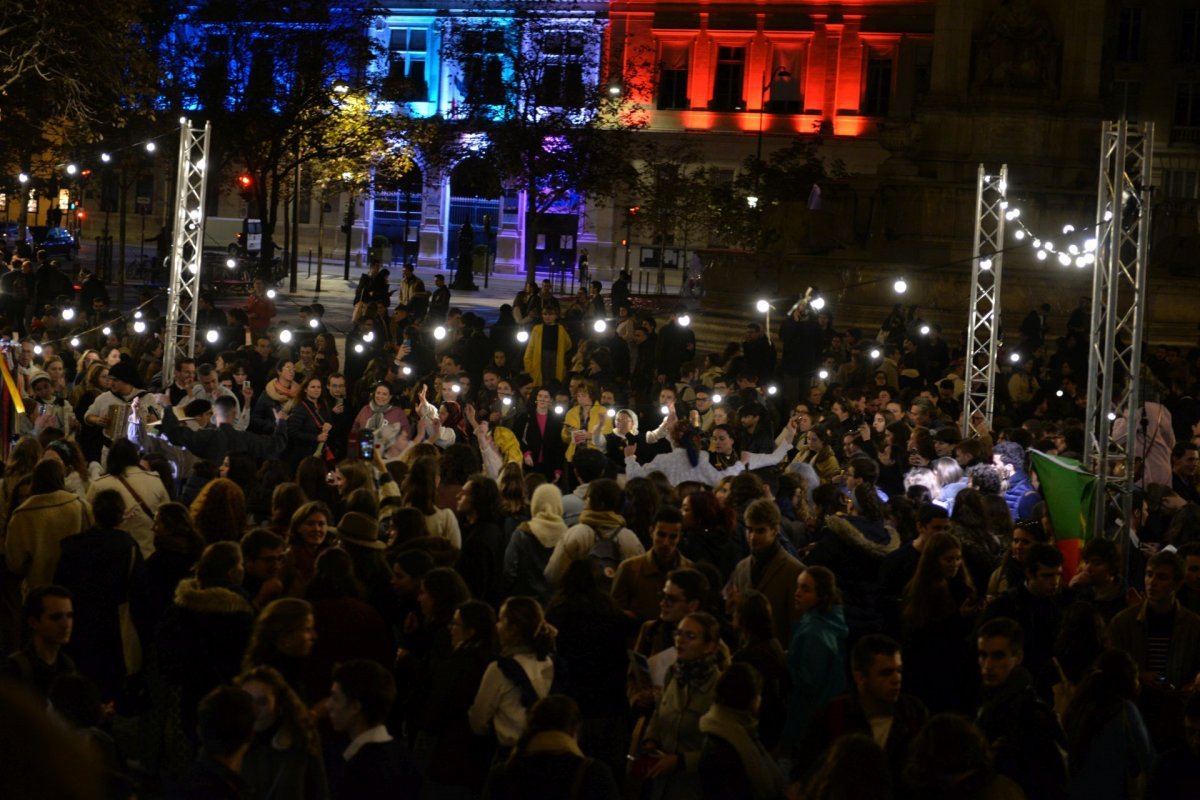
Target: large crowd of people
[(570, 555)]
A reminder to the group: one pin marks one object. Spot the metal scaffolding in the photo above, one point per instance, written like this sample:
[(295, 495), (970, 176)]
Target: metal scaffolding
[(983, 324), (1118, 313), (179, 338)]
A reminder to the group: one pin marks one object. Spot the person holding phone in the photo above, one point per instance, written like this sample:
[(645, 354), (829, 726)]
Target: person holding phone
[(309, 425), (380, 418), (584, 420)]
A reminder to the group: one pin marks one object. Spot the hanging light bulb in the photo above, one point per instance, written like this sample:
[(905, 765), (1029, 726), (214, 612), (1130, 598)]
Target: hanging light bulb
[(105, 157), (211, 336), (439, 332), (716, 398), (558, 410), (1014, 357), (522, 336), (285, 336), (924, 330), (37, 349), (684, 320), (985, 264), (610, 413), (817, 303), (1019, 235), (368, 337), (875, 353), (358, 347), (772, 390), (151, 147), (315, 323), (137, 314), (271, 294), (1064, 259), (74, 341), (1041, 255), (762, 306), (823, 374), (1089, 245), (139, 327), (1068, 229), (107, 331), (406, 370), (900, 286), (231, 263), (68, 314), (599, 326)]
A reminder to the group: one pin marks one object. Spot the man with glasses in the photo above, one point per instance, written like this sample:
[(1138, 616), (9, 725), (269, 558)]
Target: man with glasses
[(682, 594), (702, 412), (638, 586), (263, 555)]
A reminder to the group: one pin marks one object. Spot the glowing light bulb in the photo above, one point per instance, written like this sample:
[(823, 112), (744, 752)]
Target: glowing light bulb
[(68, 313), (985, 264), (1073, 250), (1037, 242), (454, 387), (23, 178), (439, 332), (1068, 229), (763, 306), (1019, 235), (285, 336), (1064, 259), (211, 336), (74, 341), (1112, 415), (716, 398), (900, 286), (1014, 357), (665, 410), (684, 320), (823, 374), (105, 157), (1108, 215), (875, 354), (315, 323), (231, 263), (506, 401), (772, 390), (151, 147), (924, 330), (558, 409), (271, 294), (817, 303), (1090, 245), (522, 336), (137, 315), (72, 169), (612, 412), (1041, 255), (407, 370), (139, 327), (599, 326), (368, 337), (37, 349), (1081, 262), (358, 348), (107, 331)]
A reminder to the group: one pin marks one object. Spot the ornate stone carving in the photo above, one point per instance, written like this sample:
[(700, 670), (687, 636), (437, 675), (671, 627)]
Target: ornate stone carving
[(1017, 50)]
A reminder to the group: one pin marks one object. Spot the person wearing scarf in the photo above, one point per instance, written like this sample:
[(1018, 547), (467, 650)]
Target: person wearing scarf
[(733, 761), (281, 392), (532, 543), (673, 740), (378, 412), (598, 518)]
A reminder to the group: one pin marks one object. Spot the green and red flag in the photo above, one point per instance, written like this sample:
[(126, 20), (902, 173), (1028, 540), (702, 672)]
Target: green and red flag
[(1070, 492)]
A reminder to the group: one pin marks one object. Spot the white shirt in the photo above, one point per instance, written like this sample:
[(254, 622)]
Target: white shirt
[(377, 735), (498, 702)]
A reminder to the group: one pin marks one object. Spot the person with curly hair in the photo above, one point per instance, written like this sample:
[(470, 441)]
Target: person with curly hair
[(283, 637), (284, 759), (219, 511)]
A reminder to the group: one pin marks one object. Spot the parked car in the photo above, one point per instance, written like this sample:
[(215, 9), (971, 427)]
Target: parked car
[(55, 241)]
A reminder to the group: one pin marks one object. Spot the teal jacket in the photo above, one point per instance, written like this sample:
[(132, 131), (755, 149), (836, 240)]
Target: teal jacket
[(817, 662)]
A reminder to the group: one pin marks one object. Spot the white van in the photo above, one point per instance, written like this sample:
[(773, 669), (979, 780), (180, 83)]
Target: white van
[(238, 237)]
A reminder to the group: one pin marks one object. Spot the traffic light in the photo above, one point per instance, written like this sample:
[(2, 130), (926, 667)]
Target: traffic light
[(246, 187), (633, 211)]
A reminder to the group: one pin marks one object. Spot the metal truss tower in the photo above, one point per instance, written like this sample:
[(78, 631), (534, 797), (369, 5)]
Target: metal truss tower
[(983, 324), (1118, 313), (179, 339)]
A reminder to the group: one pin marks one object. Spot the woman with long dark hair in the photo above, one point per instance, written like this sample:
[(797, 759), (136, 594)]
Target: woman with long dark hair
[(309, 424), (708, 531), (481, 561), (308, 535), (284, 759), (754, 622), (283, 638), (938, 611)]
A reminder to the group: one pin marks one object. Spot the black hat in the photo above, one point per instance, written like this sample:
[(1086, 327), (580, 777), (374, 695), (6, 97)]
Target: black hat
[(124, 371)]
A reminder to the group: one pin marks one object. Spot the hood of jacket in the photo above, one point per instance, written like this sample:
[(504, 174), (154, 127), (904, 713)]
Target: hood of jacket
[(832, 622), (212, 600), (38, 502), (874, 539)]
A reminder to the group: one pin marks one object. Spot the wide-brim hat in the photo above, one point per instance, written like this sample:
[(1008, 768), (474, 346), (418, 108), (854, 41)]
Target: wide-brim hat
[(359, 530)]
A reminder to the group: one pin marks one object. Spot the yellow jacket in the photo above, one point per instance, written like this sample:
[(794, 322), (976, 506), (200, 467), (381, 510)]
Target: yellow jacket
[(533, 356), (571, 423)]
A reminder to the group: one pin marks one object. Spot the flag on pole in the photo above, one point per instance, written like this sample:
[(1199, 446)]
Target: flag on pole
[(1069, 491)]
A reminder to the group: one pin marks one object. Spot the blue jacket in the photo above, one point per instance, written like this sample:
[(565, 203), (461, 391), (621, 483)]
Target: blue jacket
[(817, 662), (1021, 497)]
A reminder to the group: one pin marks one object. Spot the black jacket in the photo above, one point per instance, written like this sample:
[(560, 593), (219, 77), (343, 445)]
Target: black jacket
[(552, 776), (843, 716), (1025, 737), (548, 453), (213, 444), (381, 770)]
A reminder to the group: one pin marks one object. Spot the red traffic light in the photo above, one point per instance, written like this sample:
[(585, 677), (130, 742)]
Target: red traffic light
[(633, 210), (244, 181)]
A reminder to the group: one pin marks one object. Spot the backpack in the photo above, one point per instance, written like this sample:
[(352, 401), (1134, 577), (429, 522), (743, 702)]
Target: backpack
[(605, 556)]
